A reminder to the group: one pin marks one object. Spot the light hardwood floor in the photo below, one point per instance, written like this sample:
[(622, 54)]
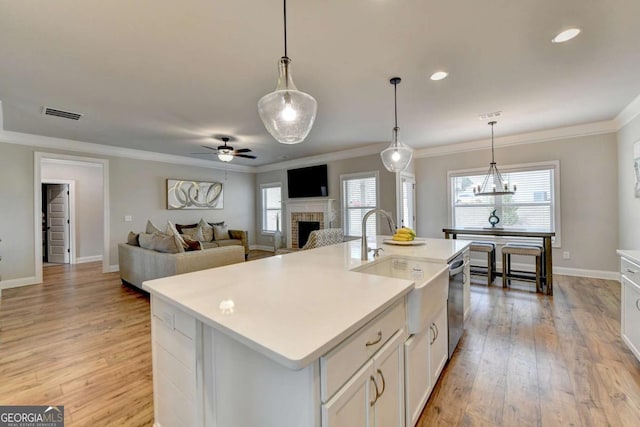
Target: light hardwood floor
[(83, 340)]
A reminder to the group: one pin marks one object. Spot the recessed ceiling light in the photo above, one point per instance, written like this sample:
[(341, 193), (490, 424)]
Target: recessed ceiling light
[(439, 75), (566, 35)]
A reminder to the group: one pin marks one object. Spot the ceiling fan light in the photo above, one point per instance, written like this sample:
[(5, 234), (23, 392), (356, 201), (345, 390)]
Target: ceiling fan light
[(224, 156)]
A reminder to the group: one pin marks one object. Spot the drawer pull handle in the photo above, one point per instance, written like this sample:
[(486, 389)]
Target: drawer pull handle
[(638, 304), (433, 334), (375, 341), (630, 270), (384, 385), (437, 331), (373, 380)]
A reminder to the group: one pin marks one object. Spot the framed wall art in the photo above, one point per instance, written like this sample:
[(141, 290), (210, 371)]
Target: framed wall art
[(187, 195)]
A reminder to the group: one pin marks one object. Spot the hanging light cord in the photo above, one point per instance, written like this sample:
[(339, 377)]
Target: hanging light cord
[(492, 158), (285, 29), (395, 102)]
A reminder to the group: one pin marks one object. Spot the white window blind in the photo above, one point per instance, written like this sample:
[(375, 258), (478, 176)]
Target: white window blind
[(535, 204), (271, 207), (359, 195)]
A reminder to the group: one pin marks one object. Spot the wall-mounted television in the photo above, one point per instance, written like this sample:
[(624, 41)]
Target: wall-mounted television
[(308, 182)]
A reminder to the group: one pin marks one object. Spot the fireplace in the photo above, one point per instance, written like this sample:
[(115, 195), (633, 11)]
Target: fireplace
[(304, 229), (307, 210)]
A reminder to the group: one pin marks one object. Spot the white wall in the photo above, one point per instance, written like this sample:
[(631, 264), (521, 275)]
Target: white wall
[(589, 194), (629, 210), (89, 226), (16, 212)]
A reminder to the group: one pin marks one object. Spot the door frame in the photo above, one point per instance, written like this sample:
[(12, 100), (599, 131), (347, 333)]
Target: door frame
[(72, 213), (41, 157)]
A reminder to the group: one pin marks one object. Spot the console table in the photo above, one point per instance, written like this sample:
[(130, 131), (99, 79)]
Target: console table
[(545, 236)]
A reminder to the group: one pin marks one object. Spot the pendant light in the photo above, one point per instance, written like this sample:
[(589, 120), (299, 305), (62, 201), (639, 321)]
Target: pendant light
[(287, 113), (396, 157), (493, 184)]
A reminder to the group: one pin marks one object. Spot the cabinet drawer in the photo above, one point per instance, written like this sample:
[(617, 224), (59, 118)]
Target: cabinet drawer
[(337, 366), (173, 318), (631, 315), (631, 270)]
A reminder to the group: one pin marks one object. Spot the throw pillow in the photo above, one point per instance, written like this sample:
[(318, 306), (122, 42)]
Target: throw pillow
[(221, 232), (216, 223), (207, 230), (194, 245), (152, 228), (171, 231), (160, 242), (179, 227), (132, 239), (194, 234)]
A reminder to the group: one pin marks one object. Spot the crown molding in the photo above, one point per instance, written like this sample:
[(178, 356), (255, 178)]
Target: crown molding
[(109, 150), (628, 113), (366, 150), (596, 128)]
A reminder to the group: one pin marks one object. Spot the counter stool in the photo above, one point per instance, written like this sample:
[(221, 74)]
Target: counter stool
[(488, 248), (521, 249)]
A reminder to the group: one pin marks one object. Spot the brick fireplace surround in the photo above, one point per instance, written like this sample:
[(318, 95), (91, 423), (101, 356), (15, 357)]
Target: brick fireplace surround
[(320, 210)]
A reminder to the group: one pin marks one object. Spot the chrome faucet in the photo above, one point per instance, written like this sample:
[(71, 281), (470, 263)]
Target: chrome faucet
[(364, 250)]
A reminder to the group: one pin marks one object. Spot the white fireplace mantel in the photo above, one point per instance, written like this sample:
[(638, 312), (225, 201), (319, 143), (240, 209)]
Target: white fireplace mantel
[(326, 206)]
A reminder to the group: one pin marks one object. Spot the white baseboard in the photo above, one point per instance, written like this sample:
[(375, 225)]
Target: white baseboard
[(578, 272), (15, 283), (594, 274), (114, 268), (262, 248), (82, 260)]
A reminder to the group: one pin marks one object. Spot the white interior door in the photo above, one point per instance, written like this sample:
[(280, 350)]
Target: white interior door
[(407, 201), (58, 250)]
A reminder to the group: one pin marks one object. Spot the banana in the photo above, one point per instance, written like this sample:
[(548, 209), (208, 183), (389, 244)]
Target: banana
[(404, 234)]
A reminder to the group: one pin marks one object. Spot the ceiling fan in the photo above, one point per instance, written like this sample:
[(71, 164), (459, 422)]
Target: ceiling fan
[(226, 153)]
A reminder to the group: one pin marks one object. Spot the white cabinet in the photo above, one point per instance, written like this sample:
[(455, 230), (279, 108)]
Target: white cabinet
[(439, 349), (630, 321), (426, 355), (374, 396)]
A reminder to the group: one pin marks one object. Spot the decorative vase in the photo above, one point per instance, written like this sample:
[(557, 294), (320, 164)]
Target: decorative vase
[(493, 218)]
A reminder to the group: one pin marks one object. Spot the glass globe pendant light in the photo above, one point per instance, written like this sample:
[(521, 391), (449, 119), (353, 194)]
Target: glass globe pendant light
[(287, 113), (396, 157)]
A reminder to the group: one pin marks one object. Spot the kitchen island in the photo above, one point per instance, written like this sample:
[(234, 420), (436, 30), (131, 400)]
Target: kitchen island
[(273, 342)]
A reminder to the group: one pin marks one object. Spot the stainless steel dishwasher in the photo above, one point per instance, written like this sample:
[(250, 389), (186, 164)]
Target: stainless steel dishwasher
[(455, 303)]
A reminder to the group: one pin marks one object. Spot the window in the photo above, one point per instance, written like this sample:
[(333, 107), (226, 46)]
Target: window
[(359, 195), (271, 207), (535, 204)]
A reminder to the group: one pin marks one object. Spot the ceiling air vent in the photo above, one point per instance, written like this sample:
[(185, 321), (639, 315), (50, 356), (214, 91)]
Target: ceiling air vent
[(48, 111), (492, 115)]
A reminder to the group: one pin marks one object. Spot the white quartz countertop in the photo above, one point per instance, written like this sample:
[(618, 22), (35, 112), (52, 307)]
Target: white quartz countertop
[(294, 308), (633, 255)]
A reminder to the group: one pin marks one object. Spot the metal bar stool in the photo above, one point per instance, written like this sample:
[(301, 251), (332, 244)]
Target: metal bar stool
[(488, 248), (520, 249)]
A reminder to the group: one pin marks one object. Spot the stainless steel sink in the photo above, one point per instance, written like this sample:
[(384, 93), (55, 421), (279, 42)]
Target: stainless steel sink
[(431, 285)]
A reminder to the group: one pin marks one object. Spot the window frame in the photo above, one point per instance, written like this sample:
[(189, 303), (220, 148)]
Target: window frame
[(345, 210), (264, 209), (520, 167)]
